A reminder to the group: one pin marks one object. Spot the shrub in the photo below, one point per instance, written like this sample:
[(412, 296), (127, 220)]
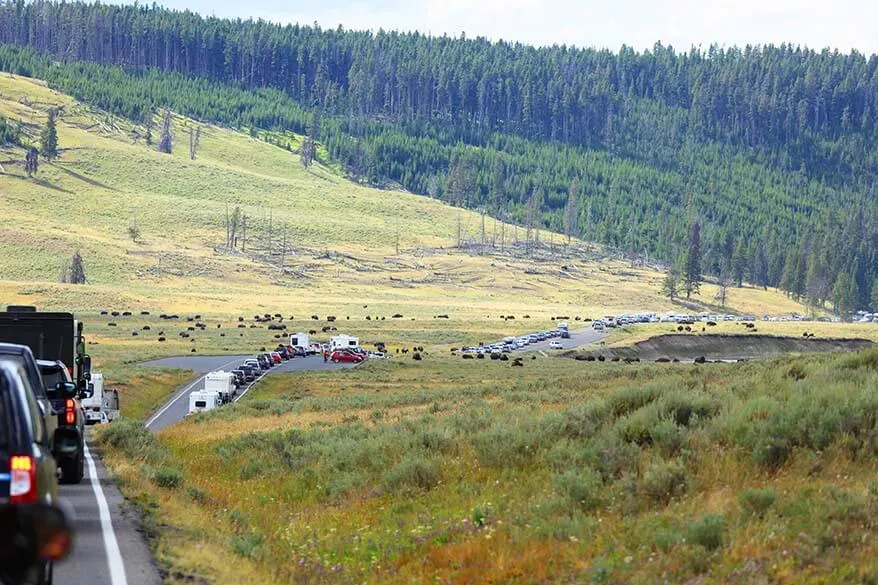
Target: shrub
[(688, 408), (435, 440), (611, 456), (480, 515), (167, 477), (581, 486), (663, 480), (198, 496), (583, 422), (249, 547), (707, 531), (797, 372), (867, 359), (635, 428), (507, 445), (135, 441), (630, 399), (239, 520), (667, 436), (665, 539), (771, 452), (413, 473), (756, 502)]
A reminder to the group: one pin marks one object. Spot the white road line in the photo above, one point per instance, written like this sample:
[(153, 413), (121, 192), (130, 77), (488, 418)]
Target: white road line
[(182, 393), (111, 545), (253, 383)]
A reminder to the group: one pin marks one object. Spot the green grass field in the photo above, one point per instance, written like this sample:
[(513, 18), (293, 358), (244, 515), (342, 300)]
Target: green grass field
[(556, 472)]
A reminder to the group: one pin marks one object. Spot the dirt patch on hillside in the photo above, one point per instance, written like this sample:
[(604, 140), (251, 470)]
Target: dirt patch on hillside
[(723, 347)]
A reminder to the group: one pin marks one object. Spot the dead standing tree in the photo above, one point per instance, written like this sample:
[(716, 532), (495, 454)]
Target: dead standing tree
[(194, 139), (165, 142), (233, 222)]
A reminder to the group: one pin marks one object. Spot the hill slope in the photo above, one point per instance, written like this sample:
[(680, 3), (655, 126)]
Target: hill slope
[(341, 237), (771, 148)]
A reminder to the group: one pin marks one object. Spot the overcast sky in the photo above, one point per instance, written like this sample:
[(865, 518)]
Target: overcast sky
[(838, 24)]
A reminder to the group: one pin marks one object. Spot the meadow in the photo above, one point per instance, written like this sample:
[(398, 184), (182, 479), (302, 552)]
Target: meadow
[(346, 245), (441, 470), (559, 471)]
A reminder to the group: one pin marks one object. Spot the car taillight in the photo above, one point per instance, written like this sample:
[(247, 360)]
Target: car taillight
[(23, 484), (70, 409)]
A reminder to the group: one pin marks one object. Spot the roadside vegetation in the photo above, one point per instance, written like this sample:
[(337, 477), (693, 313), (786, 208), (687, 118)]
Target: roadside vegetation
[(562, 471)]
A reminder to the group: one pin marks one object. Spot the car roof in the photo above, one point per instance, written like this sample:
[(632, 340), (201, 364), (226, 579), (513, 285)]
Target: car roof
[(50, 365), (13, 349)]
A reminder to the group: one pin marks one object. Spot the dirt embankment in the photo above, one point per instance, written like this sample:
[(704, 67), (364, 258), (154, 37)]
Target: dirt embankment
[(725, 347)]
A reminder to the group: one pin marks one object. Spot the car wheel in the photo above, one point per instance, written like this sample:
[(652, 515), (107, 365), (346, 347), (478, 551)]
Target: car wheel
[(72, 470), (47, 574)]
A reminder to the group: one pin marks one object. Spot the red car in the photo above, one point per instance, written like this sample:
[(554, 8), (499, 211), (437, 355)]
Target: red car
[(276, 357), (345, 356)]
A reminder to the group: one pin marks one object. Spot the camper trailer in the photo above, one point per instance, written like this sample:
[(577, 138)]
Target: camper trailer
[(343, 341), (300, 340), (223, 383), (202, 401)]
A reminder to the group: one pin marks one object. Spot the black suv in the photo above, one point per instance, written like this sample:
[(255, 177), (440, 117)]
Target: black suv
[(27, 468), (61, 436), (69, 445)]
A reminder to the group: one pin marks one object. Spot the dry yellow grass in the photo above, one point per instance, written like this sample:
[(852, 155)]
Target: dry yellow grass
[(342, 235)]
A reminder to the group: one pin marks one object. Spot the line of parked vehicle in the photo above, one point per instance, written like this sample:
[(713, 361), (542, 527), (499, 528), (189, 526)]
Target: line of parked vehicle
[(510, 344), (610, 321), (221, 387)]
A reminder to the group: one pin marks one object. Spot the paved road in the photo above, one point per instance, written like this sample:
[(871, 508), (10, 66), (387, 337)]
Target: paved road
[(178, 405), (108, 548), (578, 337)]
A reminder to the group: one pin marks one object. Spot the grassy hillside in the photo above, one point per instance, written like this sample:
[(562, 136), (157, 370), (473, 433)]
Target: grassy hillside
[(341, 237), (556, 472)]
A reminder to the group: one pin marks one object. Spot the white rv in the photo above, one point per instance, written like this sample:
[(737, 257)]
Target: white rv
[(202, 401), (300, 340), (343, 341), (103, 405), (223, 383)]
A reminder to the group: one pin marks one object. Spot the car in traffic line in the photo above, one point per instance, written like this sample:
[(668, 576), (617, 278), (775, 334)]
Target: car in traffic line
[(70, 435), (346, 356), (27, 467)]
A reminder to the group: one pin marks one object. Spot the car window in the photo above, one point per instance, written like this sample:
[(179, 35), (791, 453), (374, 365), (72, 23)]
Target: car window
[(51, 377), (4, 422), (35, 383), (36, 416)]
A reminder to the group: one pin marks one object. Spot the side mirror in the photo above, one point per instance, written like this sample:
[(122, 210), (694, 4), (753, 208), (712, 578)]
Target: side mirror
[(88, 391), (34, 533), (86, 367), (65, 390)]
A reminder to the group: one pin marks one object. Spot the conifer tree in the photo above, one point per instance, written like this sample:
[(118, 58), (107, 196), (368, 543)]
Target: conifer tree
[(671, 284), (692, 276), (31, 162), (49, 137), (77, 269)]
